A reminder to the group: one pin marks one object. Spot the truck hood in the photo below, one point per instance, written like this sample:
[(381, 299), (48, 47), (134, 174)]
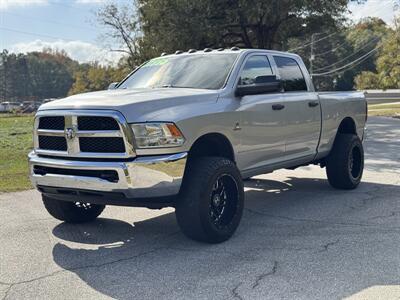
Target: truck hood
[(137, 105)]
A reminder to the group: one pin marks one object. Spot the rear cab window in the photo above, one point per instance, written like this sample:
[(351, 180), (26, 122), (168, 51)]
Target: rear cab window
[(291, 75)]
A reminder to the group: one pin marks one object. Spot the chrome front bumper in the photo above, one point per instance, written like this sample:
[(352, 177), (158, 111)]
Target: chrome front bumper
[(143, 177)]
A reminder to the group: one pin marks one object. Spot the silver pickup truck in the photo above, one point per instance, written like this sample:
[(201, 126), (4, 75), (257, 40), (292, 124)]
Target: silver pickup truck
[(184, 130)]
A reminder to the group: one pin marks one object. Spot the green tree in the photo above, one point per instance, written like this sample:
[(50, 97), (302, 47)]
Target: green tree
[(224, 23), (94, 77), (48, 77), (367, 80), (7, 73), (52, 74), (387, 75), (36, 75), (155, 26), (345, 46), (15, 81), (363, 37)]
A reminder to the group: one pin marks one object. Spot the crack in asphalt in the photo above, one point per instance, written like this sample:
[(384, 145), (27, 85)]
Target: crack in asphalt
[(392, 214), (374, 194), (7, 291), (262, 276), (11, 285), (80, 268), (371, 195), (210, 251), (8, 285), (310, 220), (235, 292), (328, 245)]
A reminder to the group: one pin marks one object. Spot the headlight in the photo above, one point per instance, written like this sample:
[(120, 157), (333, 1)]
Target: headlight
[(153, 135)]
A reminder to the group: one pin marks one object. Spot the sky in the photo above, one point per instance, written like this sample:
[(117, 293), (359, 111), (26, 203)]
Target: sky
[(31, 25)]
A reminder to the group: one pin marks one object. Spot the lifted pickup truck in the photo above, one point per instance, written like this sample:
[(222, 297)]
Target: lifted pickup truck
[(183, 130)]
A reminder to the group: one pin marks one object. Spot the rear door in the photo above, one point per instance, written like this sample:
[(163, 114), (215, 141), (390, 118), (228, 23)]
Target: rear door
[(302, 107)]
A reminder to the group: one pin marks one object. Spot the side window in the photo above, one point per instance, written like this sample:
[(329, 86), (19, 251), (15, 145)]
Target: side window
[(291, 74), (255, 69)]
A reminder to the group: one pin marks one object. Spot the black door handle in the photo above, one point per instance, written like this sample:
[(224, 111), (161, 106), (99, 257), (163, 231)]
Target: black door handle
[(278, 106), (313, 103)]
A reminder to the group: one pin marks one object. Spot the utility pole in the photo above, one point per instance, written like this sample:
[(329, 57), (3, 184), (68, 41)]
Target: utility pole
[(312, 55)]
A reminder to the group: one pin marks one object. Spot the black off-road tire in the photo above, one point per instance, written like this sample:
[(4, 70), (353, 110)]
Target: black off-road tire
[(210, 204), (72, 212), (345, 164)]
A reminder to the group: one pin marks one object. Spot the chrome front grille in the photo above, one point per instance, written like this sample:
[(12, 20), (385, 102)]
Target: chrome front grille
[(56, 143), (83, 134), (97, 123), (102, 144), (55, 123)]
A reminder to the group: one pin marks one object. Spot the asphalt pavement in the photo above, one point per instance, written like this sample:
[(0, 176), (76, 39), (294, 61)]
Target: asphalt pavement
[(298, 239)]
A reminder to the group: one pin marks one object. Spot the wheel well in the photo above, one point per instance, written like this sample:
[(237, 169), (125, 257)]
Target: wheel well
[(212, 144), (347, 126)]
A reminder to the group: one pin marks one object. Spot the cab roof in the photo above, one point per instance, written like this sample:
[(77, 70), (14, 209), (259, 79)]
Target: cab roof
[(235, 50)]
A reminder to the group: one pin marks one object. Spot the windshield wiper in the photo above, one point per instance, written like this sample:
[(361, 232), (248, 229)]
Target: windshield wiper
[(174, 86)]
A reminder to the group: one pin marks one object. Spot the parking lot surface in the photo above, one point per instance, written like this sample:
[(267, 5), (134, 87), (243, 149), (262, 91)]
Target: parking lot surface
[(299, 239)]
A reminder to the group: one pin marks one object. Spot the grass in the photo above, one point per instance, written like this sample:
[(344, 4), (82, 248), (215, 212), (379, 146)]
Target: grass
[(15, 144), (386, 110)]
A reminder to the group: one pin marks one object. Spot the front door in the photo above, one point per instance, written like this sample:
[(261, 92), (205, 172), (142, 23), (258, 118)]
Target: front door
[(262, 119)]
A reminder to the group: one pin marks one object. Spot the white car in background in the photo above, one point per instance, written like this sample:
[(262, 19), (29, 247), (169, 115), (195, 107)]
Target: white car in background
[(9, 106)]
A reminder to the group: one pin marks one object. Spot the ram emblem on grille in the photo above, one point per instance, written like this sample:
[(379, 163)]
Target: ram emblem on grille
[(69, 133)]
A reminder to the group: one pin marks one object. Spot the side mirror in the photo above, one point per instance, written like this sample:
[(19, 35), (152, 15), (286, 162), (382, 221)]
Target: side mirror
[(113, 86), (261, 85)]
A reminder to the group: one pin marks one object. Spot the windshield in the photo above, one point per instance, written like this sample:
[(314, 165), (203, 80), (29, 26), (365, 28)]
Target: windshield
[(198, 71)]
